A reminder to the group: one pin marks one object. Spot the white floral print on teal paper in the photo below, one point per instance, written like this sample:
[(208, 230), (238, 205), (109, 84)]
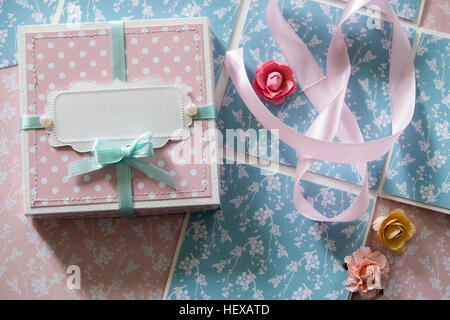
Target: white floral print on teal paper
[(257, 246)]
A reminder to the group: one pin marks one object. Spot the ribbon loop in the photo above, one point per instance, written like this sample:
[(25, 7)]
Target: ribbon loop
[(106, 152)]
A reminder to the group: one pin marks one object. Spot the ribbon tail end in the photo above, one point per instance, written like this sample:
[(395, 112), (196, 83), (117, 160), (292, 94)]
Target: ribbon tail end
[(172, 185)]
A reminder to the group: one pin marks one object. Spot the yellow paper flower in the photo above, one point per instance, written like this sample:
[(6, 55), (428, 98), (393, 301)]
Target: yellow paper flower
[(394, 230)]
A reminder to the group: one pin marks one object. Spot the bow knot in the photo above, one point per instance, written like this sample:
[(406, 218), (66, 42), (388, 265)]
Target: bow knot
[(127, 151), (107, 152)]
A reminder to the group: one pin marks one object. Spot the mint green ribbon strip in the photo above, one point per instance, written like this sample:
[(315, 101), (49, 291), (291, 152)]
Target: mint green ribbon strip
[(207, 111), (126, 157), (30, 121), (117, 45)]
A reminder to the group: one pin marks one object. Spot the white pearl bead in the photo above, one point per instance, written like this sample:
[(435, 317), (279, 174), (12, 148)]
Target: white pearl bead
[(45, 120), (191, 109)]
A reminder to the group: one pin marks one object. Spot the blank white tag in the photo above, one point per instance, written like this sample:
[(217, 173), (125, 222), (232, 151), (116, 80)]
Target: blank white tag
[(119, 112)]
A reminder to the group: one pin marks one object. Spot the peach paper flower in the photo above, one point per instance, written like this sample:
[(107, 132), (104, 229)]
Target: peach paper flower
[(273, 81), (367, 272), (394, 230)]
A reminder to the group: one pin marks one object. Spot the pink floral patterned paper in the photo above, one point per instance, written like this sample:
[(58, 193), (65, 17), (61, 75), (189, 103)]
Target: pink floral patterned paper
[(422, 271), (436, 15), (118, 259), (57, 59)]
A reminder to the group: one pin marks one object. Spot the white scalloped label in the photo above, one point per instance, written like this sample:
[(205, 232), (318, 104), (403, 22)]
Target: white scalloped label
[(118, 111)]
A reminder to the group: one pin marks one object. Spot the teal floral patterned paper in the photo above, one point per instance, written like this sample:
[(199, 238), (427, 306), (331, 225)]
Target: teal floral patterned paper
[(367, 94), (19, 12), (259, 247), (221, 15), (405, 8), (420, 166)]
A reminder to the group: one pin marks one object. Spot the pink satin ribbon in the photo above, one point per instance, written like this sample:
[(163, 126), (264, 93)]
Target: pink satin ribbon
[(335, 119)]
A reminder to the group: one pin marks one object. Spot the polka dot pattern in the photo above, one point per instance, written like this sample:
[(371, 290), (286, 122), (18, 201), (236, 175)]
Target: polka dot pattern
[(56, 61)]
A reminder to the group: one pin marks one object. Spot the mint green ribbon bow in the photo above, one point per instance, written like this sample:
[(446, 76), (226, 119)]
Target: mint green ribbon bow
[(106, 153)]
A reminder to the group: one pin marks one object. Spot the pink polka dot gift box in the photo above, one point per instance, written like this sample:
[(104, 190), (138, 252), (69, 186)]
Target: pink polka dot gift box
[(118, 118)]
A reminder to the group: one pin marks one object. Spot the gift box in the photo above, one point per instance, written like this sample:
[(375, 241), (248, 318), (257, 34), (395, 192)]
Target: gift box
[(118, 118)]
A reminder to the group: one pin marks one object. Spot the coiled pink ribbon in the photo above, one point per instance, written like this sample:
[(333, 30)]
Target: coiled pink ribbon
[(335, 119)]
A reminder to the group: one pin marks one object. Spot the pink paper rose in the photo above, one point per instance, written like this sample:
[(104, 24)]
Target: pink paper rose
[(366, 272), (273, 81)]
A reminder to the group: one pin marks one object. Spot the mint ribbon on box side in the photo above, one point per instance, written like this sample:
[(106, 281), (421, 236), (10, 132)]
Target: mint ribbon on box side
[(105, 152), (117, 45)]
